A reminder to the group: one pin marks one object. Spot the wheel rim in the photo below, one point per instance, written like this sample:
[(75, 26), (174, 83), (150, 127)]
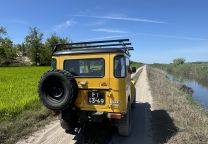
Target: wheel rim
[(54, 89), (56, 92)]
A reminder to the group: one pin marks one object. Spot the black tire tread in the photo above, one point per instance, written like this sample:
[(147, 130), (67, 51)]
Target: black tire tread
[(69, 76), (124, 127)]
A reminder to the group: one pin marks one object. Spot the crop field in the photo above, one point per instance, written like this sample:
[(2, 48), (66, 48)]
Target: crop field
[(18, 89), (20, 110)]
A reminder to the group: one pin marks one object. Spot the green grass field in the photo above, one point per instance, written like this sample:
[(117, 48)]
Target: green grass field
[(136, 64), (18, 89), (21, 112)]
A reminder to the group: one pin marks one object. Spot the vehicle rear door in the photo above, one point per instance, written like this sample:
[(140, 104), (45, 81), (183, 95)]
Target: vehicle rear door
[(91, 72)]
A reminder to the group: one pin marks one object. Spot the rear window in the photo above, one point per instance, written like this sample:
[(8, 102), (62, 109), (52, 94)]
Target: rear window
[(85, 67)]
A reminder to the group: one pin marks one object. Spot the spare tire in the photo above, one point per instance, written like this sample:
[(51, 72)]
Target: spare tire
[(57, 89)]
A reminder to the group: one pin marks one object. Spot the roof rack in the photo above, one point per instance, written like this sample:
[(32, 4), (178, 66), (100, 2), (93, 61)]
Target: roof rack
[(118, 43)]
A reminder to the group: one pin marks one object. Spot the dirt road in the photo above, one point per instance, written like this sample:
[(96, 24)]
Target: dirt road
[(141, 128)]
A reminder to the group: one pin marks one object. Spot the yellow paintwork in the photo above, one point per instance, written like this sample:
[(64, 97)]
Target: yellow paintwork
[(117, 90)]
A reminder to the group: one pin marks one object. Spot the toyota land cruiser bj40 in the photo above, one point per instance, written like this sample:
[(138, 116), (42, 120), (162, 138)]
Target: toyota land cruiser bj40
[(90, 81)]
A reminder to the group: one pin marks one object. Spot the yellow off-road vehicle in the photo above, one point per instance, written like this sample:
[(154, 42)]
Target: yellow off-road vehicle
[(90, 82)]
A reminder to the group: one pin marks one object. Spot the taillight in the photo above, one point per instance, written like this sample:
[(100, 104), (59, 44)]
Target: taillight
[(114, 115)]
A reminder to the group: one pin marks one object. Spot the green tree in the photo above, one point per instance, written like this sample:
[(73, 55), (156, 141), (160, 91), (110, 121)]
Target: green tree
[(2, 31), (179, 61), (54, 39), (34, 43), (46, 50), (7, 52), (22, 49), (45, 55)]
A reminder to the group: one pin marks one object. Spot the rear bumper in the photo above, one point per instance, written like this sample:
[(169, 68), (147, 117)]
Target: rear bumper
[(91, 116), (101, 116)]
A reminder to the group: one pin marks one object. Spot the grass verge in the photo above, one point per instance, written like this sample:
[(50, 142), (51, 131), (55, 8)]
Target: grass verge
[(184, 122), (198, 72)]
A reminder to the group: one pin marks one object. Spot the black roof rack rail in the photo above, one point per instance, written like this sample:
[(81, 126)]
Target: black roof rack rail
[(118, 43), (93, 46), (126, 48), (95, 42)]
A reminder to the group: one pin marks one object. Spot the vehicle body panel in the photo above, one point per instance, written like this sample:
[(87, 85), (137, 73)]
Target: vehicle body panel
[(117, 91)]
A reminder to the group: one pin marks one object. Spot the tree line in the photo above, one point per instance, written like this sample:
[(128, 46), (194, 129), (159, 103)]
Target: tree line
[(33, 47)]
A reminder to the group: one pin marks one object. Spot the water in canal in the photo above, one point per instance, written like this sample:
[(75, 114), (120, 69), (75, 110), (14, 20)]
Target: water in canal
[(200, 92)]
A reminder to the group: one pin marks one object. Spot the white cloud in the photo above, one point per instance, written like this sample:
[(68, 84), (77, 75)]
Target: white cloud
[(153, 35), (123, 18), (97, 23), (169, 36), (64, 25), (108, 37), (174, 37), (110, 30)]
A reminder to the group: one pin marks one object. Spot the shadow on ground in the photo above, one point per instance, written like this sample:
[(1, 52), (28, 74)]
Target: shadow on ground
[(140, 127), (162, 124), (95, 133)]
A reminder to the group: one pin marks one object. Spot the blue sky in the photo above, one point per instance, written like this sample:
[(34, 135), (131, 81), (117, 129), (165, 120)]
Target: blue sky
[(160, 30)]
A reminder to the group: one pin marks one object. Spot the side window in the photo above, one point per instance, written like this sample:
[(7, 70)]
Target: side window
[(53, 63), (127, 65), (119, 66)]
